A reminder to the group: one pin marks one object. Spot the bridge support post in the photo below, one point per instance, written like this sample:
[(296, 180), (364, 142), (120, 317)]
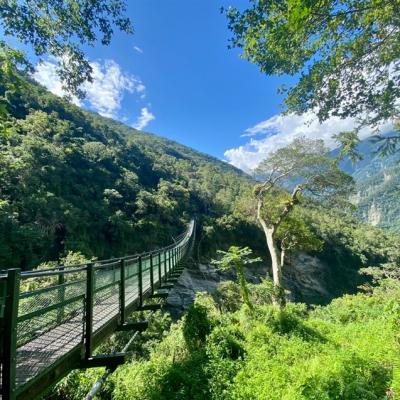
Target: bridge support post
[(89, 310), (151, 274), (122, 292), (61, 294), (159, 269), (165, 266), (10, 335), (140, 282)]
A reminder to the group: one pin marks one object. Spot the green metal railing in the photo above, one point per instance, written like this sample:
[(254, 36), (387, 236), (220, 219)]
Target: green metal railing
[(51, 319)]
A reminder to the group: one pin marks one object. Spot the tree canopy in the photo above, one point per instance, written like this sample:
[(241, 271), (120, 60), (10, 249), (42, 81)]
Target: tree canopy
[(60, 29), (345, 52)]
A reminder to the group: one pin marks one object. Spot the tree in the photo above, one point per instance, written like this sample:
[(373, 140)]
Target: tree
[(59, 28), (346, 52), (237, 257), (294, 234), (305, 167)]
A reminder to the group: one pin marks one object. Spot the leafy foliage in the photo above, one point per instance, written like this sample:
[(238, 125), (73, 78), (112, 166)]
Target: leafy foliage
[(59, 28), (237, 258), (346, 53)]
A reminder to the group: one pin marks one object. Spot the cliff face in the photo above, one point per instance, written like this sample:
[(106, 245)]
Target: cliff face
[(306, 276), (377, 180)]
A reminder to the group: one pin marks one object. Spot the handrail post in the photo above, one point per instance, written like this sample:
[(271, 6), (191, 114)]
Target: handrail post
[(89, 310), (159, 269), (10, 335), (169, 261), (122, 292), (151, 274), (140, 282), (165, 266), (61, 294)]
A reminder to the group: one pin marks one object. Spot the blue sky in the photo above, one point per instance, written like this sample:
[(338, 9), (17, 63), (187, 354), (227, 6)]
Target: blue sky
[(176, 77), (201, 94)]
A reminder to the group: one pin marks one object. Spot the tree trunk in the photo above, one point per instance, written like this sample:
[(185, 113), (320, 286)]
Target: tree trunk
[(269, 232), (275, 259)]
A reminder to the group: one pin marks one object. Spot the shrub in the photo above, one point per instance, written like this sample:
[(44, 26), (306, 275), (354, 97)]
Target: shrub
[(227, 296)]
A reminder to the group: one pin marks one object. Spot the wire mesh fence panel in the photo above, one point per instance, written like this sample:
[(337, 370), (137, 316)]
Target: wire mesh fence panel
[(131, 282), (106, 294)]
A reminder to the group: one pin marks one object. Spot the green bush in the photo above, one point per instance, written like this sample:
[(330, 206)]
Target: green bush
[(199, 321), (227, 296)]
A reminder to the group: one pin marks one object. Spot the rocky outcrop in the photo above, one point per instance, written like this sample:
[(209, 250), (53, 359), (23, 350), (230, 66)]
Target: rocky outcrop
[(304, 276)]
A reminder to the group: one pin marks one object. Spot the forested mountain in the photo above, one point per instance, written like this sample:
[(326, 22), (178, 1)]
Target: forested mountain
[(377, 180), (71, 180)]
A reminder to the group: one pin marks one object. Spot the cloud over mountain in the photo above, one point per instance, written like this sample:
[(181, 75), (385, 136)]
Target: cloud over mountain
[(279, 130)]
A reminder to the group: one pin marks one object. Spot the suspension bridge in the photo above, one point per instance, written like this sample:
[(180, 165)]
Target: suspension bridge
[(52, 320)]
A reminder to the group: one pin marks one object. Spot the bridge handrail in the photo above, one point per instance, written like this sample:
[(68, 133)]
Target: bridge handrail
[(82, 266)]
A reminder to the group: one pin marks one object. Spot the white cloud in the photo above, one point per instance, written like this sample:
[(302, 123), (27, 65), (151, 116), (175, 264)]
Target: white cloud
[(45, 73), (143, 120), (279, 130), (138, 49), (104, 94)]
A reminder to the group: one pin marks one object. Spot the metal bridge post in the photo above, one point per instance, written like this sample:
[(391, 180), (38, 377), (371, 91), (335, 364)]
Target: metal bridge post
[(10, 335), (122, 292), (151, 274), (140, 282), (159, 269), (61, 294), (165, 266), (89, 310)]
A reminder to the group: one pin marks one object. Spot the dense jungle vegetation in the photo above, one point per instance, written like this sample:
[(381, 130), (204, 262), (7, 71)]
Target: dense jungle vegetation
[(72, 181)]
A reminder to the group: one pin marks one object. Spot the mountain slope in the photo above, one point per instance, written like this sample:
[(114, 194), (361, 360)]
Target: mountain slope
[(377, 186), (71, 180)]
